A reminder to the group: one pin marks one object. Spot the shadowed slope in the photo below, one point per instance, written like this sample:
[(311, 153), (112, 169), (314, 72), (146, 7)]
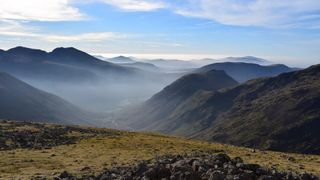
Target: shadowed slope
[(154, 113), (279, 113), (23, 102)]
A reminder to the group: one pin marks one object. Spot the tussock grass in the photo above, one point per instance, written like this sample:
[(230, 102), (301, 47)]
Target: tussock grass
[(92, 154)]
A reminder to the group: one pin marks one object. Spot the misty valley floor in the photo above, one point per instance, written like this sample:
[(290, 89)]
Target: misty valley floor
[(90, 150)]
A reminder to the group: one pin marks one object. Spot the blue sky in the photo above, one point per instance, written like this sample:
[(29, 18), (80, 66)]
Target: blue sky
[(286, 31)]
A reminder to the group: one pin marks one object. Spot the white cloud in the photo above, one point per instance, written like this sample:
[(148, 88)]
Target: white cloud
[(16, 29), (38, 10), (88, 37), (266, 13), (136, 5)]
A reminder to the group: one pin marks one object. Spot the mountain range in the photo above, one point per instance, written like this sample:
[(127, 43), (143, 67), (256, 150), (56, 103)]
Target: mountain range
[(242, 71), (82, 79), (267, 107), (244, 59), (120, 60), (277, 113), (62, 64)]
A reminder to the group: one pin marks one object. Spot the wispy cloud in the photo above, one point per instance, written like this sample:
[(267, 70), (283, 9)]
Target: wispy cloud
[(39, 10), (16, 29), (265, 13), (262, 13), (136, 5), (88, 37)]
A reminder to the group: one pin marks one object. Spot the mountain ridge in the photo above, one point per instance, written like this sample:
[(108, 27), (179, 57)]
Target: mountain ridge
[(274, 113), (164, 102), (242, 71)]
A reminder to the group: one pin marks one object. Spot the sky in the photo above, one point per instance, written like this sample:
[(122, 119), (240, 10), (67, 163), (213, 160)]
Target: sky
[(283, 31)]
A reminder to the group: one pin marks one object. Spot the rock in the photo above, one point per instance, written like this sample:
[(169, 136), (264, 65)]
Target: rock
[(151, 173), (198, 166), (266, 177), (237, 160), (86, 169), (195, 165), (221, 158), (291, 158), (252, 167), (217, 176), (164, 172), (65, 176), (306, 176), (141, 167)]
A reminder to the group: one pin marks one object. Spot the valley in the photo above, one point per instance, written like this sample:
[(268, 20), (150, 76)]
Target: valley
[(235, 119), (159, 90)]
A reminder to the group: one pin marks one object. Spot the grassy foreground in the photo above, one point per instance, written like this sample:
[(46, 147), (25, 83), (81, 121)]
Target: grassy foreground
[(98, 149)]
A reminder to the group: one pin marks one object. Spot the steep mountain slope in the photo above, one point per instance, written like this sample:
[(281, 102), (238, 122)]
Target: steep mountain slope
[(160, 106), (21, 101), (246, 71), (279, 113)]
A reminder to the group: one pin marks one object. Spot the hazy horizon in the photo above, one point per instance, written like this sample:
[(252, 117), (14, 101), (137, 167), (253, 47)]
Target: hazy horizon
[(196, 57), (283, 32)]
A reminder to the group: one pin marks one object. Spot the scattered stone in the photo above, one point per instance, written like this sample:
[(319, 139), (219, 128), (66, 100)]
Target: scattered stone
[(65, 176), (198, 166), (17, 134), (86, 169), (291, 158)]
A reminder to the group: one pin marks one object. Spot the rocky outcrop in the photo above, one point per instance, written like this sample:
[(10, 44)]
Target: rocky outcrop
[(197, 166), (29, 135)]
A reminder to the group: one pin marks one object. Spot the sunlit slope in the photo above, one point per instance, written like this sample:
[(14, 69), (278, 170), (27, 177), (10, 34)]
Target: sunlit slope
[(82, 150)]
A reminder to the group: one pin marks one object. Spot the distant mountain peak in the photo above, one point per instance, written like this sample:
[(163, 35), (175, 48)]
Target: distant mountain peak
[(248, 59), (21, 49), (72, 55), (243, 71), (67, 50), (190, 83), (121, 59)]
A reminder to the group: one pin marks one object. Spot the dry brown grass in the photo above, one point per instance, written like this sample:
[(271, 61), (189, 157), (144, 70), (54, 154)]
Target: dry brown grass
[(101, 152)]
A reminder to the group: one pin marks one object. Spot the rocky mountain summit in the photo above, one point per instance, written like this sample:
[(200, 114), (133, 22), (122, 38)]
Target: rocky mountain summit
[(197, 166)]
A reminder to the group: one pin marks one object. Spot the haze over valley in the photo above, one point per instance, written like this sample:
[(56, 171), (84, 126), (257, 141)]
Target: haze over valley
[(160, 90)]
